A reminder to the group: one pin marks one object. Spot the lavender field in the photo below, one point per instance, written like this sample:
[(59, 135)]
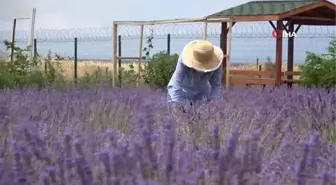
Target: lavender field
[(105, 136)]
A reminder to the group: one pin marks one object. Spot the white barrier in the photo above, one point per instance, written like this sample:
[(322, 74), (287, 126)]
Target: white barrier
[(21, 14)]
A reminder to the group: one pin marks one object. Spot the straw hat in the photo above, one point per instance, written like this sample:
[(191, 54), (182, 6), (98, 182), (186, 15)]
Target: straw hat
[(202, 55)]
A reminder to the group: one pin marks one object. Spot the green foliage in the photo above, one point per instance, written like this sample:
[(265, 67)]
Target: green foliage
[(149, 46), (332, 49), (53, 74), (98, 77), (320, 70), (21, 71), (129, 76), (268, 58), (269, 66), (330, 134), (159, 69)]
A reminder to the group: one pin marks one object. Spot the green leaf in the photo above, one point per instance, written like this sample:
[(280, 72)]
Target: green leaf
[(320, 70)]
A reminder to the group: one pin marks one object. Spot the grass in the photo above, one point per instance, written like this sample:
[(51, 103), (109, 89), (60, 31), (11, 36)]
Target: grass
[(90, 67)]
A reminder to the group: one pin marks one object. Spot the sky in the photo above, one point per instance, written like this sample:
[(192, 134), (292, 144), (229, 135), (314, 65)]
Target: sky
[(63, 14)]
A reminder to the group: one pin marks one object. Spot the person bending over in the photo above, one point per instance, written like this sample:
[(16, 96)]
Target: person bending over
[(197, 76)]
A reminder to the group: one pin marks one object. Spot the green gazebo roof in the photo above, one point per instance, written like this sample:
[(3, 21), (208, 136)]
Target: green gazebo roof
[(255, 8)]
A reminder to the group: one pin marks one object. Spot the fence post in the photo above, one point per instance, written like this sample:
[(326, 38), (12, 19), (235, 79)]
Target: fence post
[(119, 61), (75, 60), (259, 68), (35, 48), (13, 41), (168, 44), (35, 55)]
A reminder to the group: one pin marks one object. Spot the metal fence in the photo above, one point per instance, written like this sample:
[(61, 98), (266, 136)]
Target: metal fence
[(250, 40)]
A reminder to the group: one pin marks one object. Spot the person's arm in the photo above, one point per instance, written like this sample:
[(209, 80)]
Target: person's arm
[(175, 87), (216, 84)]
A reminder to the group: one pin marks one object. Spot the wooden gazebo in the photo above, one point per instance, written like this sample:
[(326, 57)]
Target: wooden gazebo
[(294, 13)]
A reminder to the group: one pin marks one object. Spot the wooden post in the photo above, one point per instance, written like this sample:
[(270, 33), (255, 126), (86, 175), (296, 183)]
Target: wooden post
[(278, 56), (290, 55), (140, 53), (115, 53), (31, 38), (206, 30), (228, 55), (119, 61), (223, 41)]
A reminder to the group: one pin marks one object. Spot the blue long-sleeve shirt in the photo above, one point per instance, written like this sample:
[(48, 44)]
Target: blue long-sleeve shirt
[(190, 84)]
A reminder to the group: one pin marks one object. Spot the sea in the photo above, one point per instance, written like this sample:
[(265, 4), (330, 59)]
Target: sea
[(250, 42)]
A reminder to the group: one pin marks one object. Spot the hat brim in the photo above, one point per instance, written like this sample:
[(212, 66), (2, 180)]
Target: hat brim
[(210, 65)]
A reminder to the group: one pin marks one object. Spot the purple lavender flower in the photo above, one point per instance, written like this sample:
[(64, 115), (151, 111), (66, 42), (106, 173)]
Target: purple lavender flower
[(147, 145)]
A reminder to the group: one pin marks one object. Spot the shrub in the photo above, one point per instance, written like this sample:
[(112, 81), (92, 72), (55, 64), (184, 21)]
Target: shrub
[(5, 77), (128, 76), (99, 76), (269, 66), (54, 74), (320, 70), (104, 76), (22, 72), (159, 69)]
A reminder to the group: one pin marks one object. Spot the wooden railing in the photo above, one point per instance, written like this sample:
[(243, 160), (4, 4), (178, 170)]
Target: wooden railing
[(287, 74), (250, 77)]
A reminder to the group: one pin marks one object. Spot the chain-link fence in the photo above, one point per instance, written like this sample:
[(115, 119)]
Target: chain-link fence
[(251, 42)]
